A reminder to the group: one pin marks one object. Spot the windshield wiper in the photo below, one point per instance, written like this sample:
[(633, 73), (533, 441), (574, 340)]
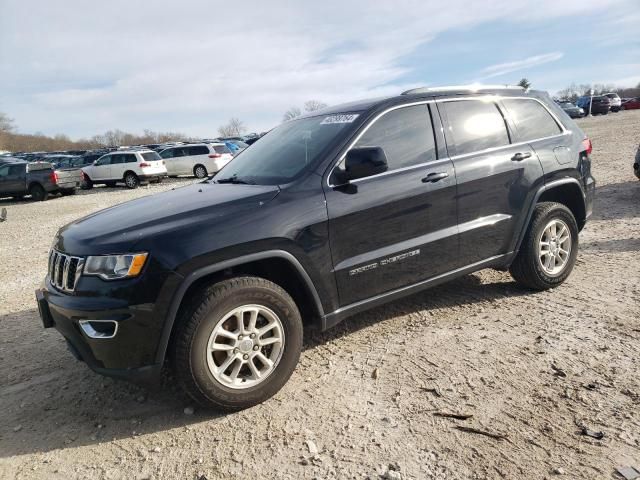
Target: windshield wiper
[(234, 180)]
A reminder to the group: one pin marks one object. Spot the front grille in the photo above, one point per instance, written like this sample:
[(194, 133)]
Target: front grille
[(64, 270)]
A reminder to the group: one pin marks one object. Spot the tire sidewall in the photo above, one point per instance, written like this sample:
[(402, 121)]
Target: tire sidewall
[(198, 168), (559, 213), (211, 388), (135, 183)]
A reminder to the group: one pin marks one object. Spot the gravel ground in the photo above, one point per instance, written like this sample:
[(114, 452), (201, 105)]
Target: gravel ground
[(533, 368)]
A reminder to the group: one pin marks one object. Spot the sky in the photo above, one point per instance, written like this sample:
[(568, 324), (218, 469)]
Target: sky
[(82, 67)]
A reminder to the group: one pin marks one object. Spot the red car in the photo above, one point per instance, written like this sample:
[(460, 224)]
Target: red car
[(631, 104)]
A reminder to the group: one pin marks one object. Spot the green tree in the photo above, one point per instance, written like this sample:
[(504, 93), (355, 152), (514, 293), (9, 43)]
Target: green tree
[(524, 83)]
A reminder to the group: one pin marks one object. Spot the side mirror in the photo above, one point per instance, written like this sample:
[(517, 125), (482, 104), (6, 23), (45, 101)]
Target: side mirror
[(363, 162)]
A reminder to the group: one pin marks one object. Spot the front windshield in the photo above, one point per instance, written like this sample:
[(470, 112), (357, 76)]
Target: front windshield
[(286, 151)]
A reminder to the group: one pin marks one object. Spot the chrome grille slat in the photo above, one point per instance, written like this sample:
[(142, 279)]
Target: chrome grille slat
[(64, 270)]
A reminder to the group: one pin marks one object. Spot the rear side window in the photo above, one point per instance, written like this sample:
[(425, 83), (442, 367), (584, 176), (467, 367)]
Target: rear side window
[(130, 158), (151, 156), (474, 125), (405, 135), (531, 118), (198, 150), (221, 149), (117, 159)]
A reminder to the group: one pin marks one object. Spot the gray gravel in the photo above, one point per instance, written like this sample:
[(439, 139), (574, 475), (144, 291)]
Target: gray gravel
[(361, 402)]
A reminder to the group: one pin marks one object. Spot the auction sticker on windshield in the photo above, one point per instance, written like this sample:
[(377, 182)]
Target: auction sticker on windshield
[(341, 118)]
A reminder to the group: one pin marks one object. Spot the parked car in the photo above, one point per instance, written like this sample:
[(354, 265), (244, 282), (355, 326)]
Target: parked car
[(200, 160), (132, 168), (631, 104), (599, 104), (62, 161), (326, 216), (572, 110), (636, 164), (615, 102), (235, 146), (38, 179)]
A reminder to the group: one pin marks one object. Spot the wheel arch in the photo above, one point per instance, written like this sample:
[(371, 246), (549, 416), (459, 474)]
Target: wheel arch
[(124, 175), (566, 191), (278, 266)]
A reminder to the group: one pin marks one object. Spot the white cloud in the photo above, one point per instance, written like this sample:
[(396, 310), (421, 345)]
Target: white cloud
[(84, 67), (519, 65)]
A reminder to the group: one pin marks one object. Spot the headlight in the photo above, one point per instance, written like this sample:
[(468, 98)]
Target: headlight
[(111, 267)]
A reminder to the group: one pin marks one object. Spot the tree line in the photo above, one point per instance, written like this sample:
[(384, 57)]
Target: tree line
[(573, 91)]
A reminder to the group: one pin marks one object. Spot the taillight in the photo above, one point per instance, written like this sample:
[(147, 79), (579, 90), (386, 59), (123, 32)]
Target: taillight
[(215, 155), (54, 177), (586, 146), (144, 164)]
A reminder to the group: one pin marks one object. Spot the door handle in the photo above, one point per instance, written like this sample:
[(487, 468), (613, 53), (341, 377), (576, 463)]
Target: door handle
[(435, 177), (518, 157)]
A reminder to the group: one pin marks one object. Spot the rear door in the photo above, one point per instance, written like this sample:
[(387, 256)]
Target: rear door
[(199, 155), (182, 162), (495, 176), (396, 228)]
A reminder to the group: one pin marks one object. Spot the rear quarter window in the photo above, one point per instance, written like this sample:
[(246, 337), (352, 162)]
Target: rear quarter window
[(474, 125), (531, 119)]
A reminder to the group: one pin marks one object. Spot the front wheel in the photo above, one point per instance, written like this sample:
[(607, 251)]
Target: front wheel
[(238, 343), (131, 180), (549, 249)]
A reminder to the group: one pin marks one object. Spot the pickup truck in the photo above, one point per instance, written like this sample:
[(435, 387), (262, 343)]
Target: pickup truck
[(38, 179)]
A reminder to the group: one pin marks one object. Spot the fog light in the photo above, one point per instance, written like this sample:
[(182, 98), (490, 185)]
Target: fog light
[(99, 328)]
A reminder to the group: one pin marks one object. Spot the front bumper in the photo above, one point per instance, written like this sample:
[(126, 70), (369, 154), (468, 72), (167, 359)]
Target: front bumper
[(130, 354)]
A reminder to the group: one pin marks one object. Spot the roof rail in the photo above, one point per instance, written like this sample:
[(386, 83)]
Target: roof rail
[(456, 88)]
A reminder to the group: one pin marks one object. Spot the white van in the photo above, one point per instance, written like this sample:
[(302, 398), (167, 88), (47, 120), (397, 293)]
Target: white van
[(200, 159), (132, 168)]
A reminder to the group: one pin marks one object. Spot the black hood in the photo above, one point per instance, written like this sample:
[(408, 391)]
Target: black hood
[(124, 227)]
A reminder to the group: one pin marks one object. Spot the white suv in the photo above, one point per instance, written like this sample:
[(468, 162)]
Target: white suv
[(131, 167), (199, 159)]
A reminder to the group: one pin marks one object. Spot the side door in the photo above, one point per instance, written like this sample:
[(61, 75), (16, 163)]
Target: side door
[(13, 178), (494, 175), (182, 162), (199, 155), (101, 170), (116, 172), (396, 228), (170, 162)]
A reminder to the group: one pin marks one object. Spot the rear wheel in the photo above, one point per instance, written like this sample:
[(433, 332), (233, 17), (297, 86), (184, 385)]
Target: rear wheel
[(87, 184), (238, 343), (549, 250), (38, 193), (200, 171), (131, 180)]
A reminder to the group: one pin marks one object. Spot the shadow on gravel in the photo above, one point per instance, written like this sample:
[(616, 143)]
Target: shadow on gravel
[(55, 402), (617, 201), (613, 246)]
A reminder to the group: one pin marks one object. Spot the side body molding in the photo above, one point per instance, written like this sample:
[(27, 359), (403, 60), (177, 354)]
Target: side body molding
[(218, 267)]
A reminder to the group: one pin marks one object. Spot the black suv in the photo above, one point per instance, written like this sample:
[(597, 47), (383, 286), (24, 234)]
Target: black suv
[(327, 215)]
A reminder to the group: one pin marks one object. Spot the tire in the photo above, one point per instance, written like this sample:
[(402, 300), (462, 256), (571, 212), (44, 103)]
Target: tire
[(207, 310), (87, 184), (38, 193), (159, 180), (527, 268), (200, 171), (131, 180)]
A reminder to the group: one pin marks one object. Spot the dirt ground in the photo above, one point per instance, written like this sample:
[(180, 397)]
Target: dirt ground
[(534, 367)]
